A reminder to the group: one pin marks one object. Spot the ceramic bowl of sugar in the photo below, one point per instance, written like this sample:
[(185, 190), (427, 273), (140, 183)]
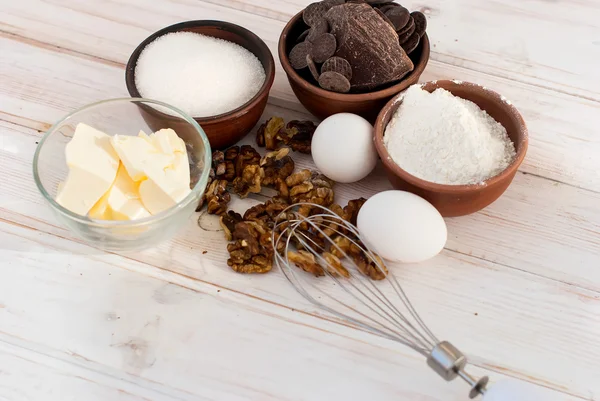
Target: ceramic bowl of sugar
[(215, 71), (457, 144)]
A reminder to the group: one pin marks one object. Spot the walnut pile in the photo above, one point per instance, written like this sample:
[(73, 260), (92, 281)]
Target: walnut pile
[(251, 251), (243, 171), (296, 134)]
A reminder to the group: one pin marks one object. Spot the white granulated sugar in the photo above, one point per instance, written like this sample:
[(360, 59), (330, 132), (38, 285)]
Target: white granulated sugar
[(201, 75), (447, 140)]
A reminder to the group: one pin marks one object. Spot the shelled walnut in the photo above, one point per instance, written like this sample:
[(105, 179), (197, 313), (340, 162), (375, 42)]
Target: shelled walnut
[(217, 197), (224, 169), (296, 134), (306, 261), (277, 165), (267, 212), (301, 135), (268, 134), (248, 156), (228, 222), (310, 187), (249, 181), (252, 251)]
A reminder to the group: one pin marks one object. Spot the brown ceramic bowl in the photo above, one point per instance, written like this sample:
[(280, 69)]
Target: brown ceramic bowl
[(323, 103), (458, 200), (222, 130)]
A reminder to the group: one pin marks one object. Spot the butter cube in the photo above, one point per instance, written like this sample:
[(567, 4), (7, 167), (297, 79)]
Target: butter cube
[(167, 141), (165, 189), (139, 156), (93, 166), (121, 202)]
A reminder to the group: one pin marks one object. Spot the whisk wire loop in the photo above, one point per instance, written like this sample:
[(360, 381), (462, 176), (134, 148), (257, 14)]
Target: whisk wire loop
[(377, 304)]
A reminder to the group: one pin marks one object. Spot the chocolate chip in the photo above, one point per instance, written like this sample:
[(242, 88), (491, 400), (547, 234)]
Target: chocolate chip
[(313, 13), (406, 37), (339, 65), (334, 81), (411, 44), (302, 36), (324, 46), (312, 67), (388, 6), (320, 27), (385, 18), (398, 15), (420, 22), (298, 55), (409, 27)]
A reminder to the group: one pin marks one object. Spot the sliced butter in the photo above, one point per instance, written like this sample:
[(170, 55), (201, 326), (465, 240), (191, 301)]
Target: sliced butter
[(121, 202), (167, 141), (93, 167), (165, 189), (139, 156)]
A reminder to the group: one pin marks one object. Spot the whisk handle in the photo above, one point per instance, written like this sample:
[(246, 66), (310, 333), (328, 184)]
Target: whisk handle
[(513, 390), (448, 362)]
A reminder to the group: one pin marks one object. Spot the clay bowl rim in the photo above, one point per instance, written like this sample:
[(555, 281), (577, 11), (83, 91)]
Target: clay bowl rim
[(346, 97), (237, 29), (393, 105)]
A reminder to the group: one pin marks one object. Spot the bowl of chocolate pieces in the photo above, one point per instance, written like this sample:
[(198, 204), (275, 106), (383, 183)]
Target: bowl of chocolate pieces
[(353, 55)]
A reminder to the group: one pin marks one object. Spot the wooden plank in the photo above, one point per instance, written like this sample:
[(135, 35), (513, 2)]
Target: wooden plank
[(25, 375), (563, 138), (511, 320), (190, 340)]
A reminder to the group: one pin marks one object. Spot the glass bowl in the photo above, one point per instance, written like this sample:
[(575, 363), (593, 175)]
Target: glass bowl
[(125, 116)]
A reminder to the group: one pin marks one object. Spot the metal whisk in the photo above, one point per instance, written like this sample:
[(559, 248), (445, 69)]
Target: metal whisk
[(327, 245)]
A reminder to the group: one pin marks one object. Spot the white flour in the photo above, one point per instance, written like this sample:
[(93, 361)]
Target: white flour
[(447, 140)]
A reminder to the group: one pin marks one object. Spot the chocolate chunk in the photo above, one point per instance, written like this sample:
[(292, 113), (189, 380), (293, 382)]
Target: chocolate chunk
[(376, 3), (411, 44), (408, 33), (369, 44), (334, 81), (410, 26), (323, 47), (386, 19), (320, 27), (298, 55), (312, 67), (420, 22), (303, 36), (399, 16), (314, 12), (339, 65), (332, 3)]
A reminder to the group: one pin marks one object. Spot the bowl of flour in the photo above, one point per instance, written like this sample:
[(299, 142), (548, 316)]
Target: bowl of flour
[(217, 72), (456, 144)]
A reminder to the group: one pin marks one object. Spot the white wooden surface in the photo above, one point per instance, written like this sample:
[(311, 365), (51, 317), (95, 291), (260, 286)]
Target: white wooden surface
[(518, 285)]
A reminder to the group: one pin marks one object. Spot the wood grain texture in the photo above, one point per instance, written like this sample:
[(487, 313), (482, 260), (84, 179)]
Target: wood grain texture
[(517, 286), (501, 308), (116, 317)]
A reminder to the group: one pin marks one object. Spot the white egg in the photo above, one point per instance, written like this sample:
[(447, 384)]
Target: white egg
[(343, 149), (512, 390), (402, 227)]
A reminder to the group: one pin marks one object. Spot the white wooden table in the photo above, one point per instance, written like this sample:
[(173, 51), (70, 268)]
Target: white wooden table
[(517, 287)]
